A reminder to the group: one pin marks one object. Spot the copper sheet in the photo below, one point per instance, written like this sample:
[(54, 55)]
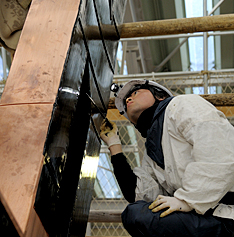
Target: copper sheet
[(26, 105), (22, 136)]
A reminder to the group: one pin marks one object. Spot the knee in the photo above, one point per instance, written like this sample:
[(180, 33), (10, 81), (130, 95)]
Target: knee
[(133, 210), (128, 215), (132, 215), (139, 220)]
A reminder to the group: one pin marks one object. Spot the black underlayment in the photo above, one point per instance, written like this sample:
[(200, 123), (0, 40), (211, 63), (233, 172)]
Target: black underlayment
[(64, 193)]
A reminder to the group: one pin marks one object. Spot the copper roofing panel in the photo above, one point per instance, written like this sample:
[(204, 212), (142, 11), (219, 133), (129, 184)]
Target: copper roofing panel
[(22, 136), (27, 102)]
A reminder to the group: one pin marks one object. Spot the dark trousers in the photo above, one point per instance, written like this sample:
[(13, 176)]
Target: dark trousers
[(139, 221)]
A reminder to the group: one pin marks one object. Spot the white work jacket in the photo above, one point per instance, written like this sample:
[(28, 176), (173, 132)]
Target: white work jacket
[(198, 149)]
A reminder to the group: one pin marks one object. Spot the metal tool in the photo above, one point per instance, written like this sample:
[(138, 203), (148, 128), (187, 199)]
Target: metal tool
[(106, 119)]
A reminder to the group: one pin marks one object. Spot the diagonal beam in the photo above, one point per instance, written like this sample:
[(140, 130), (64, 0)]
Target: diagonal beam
[(218, 100), (26, 107)]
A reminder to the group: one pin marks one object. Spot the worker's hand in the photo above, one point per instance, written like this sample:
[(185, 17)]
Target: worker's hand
[(172, 203), (109, 135)]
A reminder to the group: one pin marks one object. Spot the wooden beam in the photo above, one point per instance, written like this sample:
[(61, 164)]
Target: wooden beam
[(220, 99), (215, 99), (177, 26), (163, 27), (111, 216)]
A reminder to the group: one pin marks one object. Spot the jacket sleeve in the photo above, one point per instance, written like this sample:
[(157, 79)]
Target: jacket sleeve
[(11, 24), (125, 176), (210, 175), (137, 184), (148, 187)]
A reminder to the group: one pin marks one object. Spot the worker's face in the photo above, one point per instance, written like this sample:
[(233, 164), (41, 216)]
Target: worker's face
[(137, 102)]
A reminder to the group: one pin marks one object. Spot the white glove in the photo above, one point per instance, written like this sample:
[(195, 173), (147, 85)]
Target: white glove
[(172, 203), (109, 135)]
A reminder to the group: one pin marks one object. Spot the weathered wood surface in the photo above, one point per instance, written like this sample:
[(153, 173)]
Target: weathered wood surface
[(177, 26), (215, 99), (220, 99), (164, 27), (110, 216), (26, 107)]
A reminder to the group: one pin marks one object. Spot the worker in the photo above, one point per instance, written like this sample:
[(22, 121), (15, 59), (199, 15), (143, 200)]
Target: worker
[(13, 15), (185, 185)]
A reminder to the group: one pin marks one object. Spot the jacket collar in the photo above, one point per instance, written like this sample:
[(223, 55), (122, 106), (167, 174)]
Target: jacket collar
[(148, 116)]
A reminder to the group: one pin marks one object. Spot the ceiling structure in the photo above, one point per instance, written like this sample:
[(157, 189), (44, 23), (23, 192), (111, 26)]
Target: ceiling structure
[(172, 53)]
